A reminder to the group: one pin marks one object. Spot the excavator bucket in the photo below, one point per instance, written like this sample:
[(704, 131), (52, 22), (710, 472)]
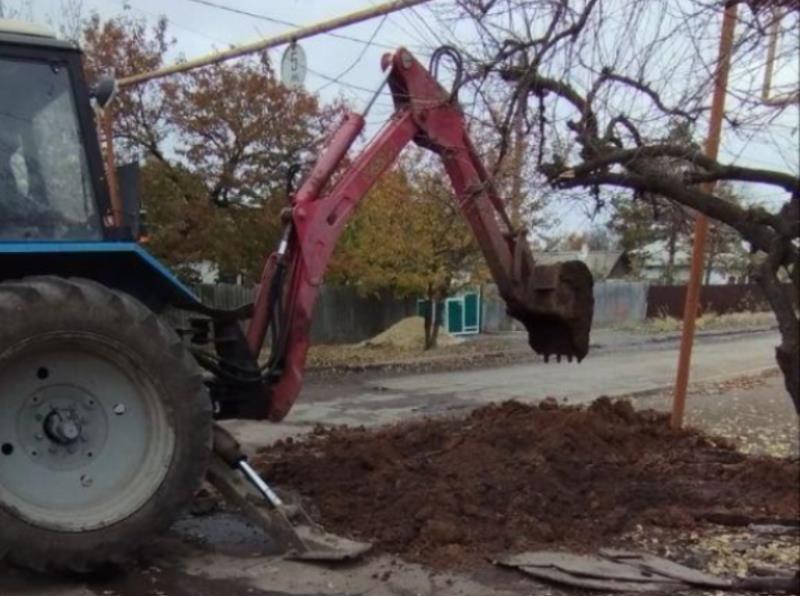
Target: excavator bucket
[(558, 310)]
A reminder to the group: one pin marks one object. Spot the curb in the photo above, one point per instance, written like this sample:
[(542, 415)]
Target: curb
[(712, 333), (376, 366), (694, 385), (422, 363)]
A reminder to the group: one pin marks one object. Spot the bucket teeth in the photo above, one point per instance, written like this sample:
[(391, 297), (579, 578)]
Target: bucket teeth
[(559, 356)]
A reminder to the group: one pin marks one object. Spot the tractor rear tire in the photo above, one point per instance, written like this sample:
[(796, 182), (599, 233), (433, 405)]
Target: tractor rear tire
[(105, 425)]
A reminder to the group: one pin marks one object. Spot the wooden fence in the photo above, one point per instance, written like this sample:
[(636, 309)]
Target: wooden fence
[(342, 315), (669, 300)]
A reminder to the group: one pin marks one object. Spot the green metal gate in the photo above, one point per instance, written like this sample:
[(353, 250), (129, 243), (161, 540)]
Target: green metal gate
[(455, 315), (460, 315), (464, 314)]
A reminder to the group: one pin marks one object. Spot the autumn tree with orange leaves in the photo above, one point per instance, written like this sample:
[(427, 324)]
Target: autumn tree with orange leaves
[(409, 237), (223, 135)]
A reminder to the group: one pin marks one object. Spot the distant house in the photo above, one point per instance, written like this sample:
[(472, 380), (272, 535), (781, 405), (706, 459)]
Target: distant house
[(205, 272), (208, 272), (654, 264), (604, 264)]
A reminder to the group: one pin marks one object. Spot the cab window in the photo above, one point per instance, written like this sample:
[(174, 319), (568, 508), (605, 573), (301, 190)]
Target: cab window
[(45, 187)]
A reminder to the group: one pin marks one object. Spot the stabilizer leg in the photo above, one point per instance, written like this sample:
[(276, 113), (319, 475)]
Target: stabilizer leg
[(292, 529)]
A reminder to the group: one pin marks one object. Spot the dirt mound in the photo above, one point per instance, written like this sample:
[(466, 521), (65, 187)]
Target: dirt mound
[(511, 477), (408, 334)]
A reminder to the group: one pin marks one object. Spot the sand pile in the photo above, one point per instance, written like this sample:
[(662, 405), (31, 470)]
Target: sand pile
[(408, 334)]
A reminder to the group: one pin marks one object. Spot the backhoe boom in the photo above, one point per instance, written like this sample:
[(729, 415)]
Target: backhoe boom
[(553, 302)]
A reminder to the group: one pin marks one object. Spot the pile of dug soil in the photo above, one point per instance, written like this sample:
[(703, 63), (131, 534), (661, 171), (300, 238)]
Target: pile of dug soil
[(408, 334), (511, 477)]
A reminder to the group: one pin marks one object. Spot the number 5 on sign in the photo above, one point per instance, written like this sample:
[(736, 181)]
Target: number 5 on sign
[(293, 66)]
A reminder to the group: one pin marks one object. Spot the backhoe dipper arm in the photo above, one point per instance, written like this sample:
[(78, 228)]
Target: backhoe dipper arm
[(554, 302)]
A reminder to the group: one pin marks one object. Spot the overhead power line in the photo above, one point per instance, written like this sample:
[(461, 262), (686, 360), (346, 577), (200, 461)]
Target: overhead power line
[(269, 19), (284, 38), (358, 59)]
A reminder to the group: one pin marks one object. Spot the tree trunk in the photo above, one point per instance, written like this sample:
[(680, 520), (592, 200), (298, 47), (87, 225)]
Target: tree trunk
[(428, 321), (669, 274), (431, 321), (787, 354), (435, 333)]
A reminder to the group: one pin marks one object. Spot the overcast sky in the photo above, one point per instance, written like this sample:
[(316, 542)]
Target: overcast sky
[(200, 29)]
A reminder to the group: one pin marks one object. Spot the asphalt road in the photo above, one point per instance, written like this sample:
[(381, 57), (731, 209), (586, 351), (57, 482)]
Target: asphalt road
[(228, 558), (621, 368)]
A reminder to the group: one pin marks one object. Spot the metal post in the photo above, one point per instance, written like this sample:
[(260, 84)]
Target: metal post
[(107, 120), (701, 221)]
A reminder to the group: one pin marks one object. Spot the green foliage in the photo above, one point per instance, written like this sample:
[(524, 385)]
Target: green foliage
[(185, 227), (648, 218), (642, 221)]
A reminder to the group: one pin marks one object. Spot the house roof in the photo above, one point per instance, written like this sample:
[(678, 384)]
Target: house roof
[(599, 262), (656, 254)]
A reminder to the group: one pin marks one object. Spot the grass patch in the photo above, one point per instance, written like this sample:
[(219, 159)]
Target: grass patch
[(708, 322)]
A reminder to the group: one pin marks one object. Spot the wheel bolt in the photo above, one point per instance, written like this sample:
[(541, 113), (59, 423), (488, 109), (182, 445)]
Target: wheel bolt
[(120, 409), (39, 437), (86, 480)]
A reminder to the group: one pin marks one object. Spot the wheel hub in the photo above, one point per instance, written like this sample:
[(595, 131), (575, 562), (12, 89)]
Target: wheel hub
[(63, 426)]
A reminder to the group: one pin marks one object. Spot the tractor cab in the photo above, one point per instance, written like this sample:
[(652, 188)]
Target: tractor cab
[(51, 178), (55, 210)]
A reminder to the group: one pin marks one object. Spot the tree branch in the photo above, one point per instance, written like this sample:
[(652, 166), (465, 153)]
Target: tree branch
[(714, 169), (609, 75), (782, 304), (756, 233), (741, 174)]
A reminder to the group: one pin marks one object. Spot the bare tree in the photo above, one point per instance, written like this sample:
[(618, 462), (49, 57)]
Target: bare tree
[(70, 20), (19, 9), (602, 84)]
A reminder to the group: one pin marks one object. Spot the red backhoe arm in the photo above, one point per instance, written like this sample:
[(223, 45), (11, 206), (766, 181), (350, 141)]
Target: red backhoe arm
[(554, 302)]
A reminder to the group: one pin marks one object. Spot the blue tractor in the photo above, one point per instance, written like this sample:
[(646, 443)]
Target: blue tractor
[(106, 422)]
